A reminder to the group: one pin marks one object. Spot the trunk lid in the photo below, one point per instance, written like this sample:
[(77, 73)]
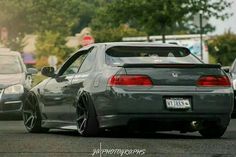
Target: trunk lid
[(173, 74)]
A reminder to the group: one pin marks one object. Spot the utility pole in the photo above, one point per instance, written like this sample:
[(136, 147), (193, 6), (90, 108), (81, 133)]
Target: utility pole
[(201, 32), (163, 38)]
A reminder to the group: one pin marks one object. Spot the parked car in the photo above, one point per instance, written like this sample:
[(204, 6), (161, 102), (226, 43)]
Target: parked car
[(143, 86), (232, 72), (15, 81)]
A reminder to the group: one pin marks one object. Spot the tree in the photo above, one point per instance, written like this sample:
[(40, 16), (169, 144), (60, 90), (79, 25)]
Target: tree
[(33, 16), (115, 34), (13, 16), (17, 43), (54, 15), (51, 43), (37, 16), (86, 11), (162, 16), (223, 48)]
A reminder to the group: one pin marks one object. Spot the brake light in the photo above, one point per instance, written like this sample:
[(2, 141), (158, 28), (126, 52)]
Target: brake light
[(130, 80), (209, 81)]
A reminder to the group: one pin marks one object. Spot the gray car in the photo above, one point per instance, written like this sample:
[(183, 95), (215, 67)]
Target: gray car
[(232, 73), (15, 81), (135, 86)]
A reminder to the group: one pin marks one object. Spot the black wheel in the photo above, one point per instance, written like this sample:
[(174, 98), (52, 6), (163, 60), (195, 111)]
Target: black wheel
[(87, 123), (31, 115), (213, 131)]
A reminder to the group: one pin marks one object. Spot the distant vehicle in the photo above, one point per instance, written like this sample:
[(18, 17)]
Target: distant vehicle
[(142, 86), (15, 81), (232, 72)]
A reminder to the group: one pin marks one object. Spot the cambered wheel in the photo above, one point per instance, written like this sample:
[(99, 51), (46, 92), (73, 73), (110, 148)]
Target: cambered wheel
[(87, 123), (31, 115), (213, 131)]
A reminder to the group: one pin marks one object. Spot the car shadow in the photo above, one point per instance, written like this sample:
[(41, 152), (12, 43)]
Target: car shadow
[(157, 135), (139, 135), (10, 118), (230, 134)]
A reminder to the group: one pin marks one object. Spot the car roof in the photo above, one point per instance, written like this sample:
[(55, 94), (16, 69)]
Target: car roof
[(131, 44), (137, 44)]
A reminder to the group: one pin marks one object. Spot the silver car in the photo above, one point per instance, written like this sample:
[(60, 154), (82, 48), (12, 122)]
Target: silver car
[(15, 81)]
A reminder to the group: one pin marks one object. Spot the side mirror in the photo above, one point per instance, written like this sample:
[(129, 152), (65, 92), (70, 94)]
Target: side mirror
[(32, 71), (48, 71)]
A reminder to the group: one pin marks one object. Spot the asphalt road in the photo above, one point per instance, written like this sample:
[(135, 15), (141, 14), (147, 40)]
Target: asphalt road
[(15, 141)]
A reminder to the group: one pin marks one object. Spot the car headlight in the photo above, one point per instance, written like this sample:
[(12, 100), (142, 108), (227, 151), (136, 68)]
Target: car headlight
[(234, 84), (15, 89)]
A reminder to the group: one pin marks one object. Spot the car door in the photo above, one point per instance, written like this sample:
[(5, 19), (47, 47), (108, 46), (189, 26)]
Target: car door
[(57, 96), (83, 77)]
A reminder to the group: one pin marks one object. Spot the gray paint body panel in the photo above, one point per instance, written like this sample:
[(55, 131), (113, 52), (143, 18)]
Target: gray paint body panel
[(117, 106)]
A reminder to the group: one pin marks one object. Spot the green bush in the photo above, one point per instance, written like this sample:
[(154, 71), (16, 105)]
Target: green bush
[(223, 48)]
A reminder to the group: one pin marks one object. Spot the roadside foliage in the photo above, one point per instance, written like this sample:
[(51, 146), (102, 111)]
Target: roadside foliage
[(223, 48), (110, 20)]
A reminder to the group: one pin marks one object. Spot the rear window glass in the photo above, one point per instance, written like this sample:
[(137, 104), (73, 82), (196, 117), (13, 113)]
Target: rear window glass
[(10, 64), (156, 55)]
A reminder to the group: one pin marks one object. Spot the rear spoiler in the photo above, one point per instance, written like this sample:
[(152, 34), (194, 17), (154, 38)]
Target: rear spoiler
[(171, 66)]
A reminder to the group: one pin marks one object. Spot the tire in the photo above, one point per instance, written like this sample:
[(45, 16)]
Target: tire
[(31, 115), (213, 131), (87, 123)]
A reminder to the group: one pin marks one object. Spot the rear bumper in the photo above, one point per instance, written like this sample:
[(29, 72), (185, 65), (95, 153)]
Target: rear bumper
[(117, 101), (119, 106), (110, 121), (234, 109)]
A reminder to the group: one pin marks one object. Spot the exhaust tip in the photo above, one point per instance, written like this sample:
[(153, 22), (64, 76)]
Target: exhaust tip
[(194, 125)]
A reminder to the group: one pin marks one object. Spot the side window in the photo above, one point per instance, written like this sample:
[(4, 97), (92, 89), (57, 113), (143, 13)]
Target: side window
[(88, 62), (74, 67)]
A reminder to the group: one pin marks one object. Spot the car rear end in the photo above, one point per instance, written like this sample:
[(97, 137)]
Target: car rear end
[(234, 87), (164, 88), (232, 72)]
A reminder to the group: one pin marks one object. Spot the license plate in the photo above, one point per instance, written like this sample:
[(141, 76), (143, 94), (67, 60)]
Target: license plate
[(178, 103)]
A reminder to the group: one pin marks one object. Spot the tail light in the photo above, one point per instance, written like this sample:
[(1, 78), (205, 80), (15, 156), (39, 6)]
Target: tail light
[(130, 80), (211, 81)]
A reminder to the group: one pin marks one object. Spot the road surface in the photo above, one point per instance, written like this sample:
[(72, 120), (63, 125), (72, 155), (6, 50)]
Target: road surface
[(16, 141)]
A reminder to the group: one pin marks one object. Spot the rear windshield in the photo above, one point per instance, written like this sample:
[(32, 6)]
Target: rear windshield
[(10, 64), (146, 55)]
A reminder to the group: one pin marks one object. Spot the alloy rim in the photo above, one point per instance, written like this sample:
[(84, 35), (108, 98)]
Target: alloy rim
[(29, 111), (82, 116)]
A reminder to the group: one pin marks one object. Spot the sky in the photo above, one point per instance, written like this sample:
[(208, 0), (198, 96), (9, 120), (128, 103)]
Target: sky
[(222, 26)]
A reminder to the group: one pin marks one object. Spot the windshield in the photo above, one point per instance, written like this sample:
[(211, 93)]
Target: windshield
[(10, 64), (150, 55)]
